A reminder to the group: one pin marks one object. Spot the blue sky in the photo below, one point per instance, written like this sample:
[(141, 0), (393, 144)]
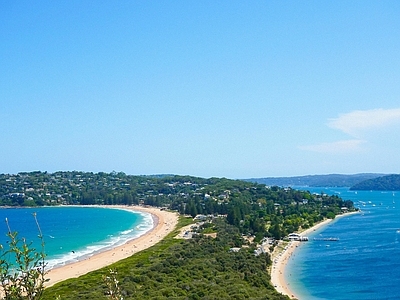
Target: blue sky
[(233, 89)]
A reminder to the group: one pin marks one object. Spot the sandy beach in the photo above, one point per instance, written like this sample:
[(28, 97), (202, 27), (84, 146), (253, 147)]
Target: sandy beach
[(281, 259), (164, 222)]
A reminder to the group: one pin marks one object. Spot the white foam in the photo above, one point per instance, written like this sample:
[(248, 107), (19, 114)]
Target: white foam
[(113, 241)]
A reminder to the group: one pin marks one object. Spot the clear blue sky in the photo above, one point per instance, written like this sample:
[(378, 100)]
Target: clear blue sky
[(231, 89)]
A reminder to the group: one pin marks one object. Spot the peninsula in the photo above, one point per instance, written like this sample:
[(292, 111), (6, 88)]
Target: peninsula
[(234, 226)]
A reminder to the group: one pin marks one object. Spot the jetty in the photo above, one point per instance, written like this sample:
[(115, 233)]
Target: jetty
[(329, 239)]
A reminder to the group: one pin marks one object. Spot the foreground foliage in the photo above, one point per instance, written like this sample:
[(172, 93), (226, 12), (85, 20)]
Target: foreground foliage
[(200, 268), (112, 283), (22, 268)]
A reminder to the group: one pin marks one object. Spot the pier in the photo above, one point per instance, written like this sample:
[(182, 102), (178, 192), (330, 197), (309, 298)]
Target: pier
[(329, 239)]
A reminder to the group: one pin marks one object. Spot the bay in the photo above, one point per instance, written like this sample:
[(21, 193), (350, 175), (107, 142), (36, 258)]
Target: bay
[(72, 233), (364, 263)]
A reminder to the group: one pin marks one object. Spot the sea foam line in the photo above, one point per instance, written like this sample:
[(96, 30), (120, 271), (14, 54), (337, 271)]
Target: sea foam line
[(119, 239)]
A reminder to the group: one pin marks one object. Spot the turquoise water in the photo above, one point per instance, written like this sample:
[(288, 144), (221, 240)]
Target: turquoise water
[(363, 264), (72, 233)]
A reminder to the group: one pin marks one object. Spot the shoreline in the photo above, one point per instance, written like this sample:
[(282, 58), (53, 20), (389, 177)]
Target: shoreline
[(280, 260), (164, 222)]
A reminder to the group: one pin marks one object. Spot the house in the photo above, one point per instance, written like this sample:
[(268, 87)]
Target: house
[(234, 249), (200, 217)]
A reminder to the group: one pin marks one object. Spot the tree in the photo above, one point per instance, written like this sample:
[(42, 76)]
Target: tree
[(330, 215)]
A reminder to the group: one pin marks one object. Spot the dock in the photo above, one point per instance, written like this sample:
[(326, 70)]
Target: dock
[(329, 239)]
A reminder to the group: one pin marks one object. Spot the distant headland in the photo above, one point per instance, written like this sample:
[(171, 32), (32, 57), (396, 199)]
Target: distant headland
[(329, 180), (383, 183)]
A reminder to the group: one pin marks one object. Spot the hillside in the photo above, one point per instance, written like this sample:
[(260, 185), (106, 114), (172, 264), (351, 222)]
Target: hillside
[(198, 268), (331, 180), (384, 183), (250, 206)]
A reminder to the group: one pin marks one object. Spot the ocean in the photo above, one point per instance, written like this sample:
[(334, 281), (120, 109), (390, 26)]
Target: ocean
[(73, 233), (363, 264)]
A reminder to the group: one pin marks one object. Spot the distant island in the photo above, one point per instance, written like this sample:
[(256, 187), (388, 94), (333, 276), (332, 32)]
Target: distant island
[(330, 180), (383, 183)]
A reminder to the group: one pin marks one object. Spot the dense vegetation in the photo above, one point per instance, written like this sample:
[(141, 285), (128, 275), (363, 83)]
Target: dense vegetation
[(384, 183), (198, 268), (332, 180), (253, 208)]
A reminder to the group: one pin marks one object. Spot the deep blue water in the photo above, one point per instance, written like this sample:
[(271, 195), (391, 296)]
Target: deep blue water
[(364, 263), (71, 233)]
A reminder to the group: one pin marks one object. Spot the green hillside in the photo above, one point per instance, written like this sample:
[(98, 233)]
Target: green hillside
[(330, 180), (384, 183), (198, 268)]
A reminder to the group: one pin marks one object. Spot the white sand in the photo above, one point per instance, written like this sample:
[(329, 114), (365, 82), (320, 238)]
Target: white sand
[(280, 261), (165, 222)]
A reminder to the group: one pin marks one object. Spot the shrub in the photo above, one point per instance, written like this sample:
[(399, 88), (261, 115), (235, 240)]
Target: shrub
[(22, 268)]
